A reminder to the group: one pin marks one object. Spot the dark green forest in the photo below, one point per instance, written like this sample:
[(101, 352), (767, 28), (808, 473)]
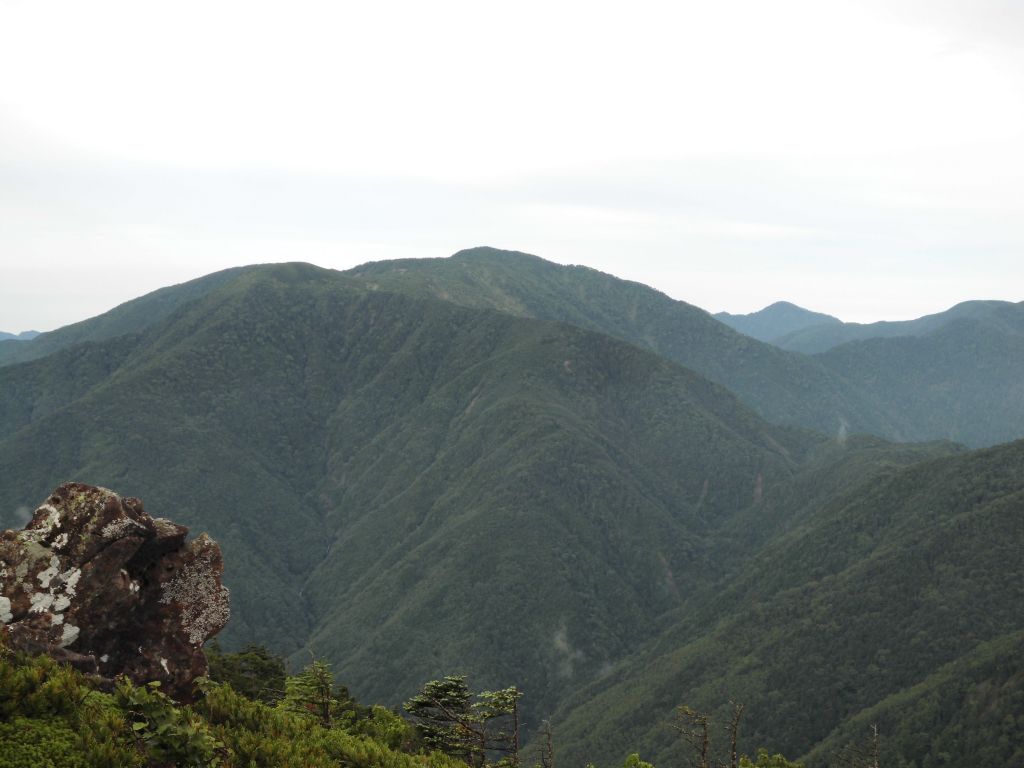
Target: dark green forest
[(912, 380), (494, 467)]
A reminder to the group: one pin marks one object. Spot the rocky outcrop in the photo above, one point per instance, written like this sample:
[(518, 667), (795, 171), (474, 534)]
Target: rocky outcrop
[(95, 581)]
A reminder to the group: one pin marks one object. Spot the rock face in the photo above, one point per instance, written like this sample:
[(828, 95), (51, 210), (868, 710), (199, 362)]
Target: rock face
[(95, 581)]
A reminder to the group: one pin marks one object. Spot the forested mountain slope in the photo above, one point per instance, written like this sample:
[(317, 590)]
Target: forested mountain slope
[(977, 702), (853, 615), (902, 391), (413, 487), (783, 387), (955, 376), (130, 317), (964, 381), (404, 485)]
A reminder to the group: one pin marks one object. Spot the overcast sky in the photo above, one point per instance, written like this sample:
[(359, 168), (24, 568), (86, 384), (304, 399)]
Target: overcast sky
[(864, 159)]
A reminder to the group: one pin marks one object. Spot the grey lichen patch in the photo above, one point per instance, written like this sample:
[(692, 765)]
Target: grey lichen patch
[(205, 606), (119, 528), (49, 523), (40, 602), (60, 588), (5, 610), (70, 578), (32, 552), (69, 635), (46, 576)]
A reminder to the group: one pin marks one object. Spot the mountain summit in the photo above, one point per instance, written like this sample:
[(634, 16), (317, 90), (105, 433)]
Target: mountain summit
[(776, 320)]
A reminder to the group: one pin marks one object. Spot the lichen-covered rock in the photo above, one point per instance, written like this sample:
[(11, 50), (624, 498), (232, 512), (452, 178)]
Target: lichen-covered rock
[(95, 581)]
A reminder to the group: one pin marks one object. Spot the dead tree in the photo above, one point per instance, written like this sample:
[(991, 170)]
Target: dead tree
[(734, 735), (696, 730), (863, 755), (546, 750)]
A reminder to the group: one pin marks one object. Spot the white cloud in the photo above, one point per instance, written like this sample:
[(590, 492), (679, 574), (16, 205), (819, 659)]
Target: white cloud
[(777, 145), (468, 90)]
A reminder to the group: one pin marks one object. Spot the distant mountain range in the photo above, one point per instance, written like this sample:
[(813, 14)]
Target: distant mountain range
[(956, 374), (23, 336), (800, 330), (777, 321), (998, 316), (536, 475)]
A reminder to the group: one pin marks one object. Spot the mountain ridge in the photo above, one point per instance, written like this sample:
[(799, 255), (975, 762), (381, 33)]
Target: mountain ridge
[(1002, 315), (783, 387), (23, 336), (776, 321), (129, 317)]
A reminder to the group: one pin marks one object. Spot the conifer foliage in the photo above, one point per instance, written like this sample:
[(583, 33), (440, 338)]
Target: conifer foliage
[(478, 732)]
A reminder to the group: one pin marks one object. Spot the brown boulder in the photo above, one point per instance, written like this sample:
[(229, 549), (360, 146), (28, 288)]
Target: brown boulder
[(95, 581)]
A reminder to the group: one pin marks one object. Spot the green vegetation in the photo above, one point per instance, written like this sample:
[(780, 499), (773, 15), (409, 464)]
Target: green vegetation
[(765, 760), (964, 381), (253, 672), (969, 712), (411, 474), (448, 720), (380, 468), (956, 375), (783, 387), (52, 717), (871, 593), (128, 318), (931, 383)]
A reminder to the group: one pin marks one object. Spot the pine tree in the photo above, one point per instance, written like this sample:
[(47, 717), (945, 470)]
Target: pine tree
[(311, 693)]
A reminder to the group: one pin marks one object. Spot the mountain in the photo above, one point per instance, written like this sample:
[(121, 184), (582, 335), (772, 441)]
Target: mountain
[(976, 698), (389, 475), (958, 381), (963, 381), (130, 317), (1002, 316), (23, 336), (413, 482), (776, 320), (871, 389), (896, 601), (782, 387)]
